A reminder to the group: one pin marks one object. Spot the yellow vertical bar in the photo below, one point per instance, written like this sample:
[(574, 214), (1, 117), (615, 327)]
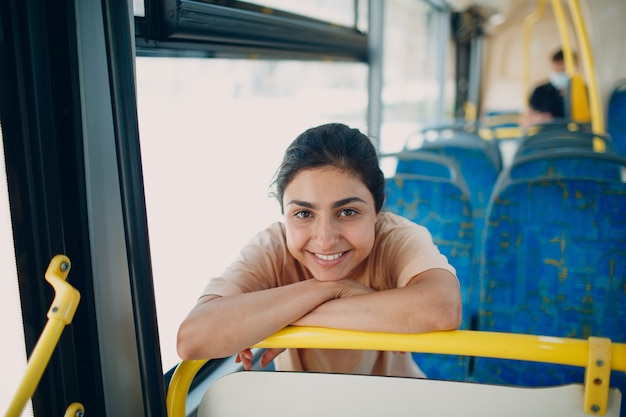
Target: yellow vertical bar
[(561, 21), (470, 112), (529, 22), (597, 120)]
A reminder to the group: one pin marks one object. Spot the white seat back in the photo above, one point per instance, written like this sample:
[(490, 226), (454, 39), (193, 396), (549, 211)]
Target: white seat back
[(279, 394)]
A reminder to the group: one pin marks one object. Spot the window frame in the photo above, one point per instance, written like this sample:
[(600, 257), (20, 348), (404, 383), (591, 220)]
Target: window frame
[(215, 29)]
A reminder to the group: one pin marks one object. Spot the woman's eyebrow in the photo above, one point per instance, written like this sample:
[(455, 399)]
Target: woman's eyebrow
[(335, 205), (302, 203), (348, 200)]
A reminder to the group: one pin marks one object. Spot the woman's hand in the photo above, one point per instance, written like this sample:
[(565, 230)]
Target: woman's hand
[(350, 288), (269, 356), (245, 357), (347, 288)]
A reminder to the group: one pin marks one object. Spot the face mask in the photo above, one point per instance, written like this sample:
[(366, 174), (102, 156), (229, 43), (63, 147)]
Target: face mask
[(560, 80)]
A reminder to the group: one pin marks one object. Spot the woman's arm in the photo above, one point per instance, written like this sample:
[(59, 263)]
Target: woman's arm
[(221, 326), (431, 301)]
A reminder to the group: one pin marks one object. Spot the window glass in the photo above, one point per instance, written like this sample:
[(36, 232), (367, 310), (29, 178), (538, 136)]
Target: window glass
[(410, 80), (11, 328), (213, 133), (139, 9)]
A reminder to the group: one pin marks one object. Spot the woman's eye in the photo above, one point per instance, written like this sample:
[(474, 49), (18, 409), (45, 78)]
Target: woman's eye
[(347, 212), (303, 214)]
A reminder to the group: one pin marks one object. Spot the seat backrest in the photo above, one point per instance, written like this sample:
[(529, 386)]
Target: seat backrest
[(553, 262), (281, 394), (478, 161), (558, 125), (444, 208), (560, 139), (569, 162), (426, 164)]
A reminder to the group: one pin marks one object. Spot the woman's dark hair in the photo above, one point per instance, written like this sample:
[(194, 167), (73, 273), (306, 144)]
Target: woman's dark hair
[(336, 145)]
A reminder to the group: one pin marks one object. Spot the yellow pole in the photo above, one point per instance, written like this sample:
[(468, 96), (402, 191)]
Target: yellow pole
[(59, 315), (529, 22), (568, 56), (597, 120)]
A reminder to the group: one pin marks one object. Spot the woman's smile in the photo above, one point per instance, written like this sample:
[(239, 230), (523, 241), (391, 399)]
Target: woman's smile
[(332, 257)]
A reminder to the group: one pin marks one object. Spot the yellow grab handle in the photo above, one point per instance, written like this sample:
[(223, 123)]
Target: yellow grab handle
[(179, 387), (60, 314), (75, 410)]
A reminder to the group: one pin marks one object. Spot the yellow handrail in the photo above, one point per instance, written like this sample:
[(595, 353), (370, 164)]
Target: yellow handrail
[(583, 106), (597, 119), (74, 410), (59, 315), (561, 21), (529, 22), (182, 377), (558, 350), (579, 102)]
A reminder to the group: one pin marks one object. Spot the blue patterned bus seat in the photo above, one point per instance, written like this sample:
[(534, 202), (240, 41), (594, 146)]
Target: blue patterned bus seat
[(554, 264)]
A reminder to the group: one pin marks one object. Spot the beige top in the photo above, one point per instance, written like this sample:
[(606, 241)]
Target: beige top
[(402, 249)]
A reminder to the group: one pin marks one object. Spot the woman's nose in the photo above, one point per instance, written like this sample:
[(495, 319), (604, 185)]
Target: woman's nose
[(326, 233)]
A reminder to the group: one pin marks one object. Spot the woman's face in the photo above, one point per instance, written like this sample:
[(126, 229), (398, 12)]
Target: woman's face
[(329, 219)]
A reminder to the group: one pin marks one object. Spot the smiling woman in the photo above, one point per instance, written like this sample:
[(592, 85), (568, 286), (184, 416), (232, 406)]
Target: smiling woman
[(335, 261)]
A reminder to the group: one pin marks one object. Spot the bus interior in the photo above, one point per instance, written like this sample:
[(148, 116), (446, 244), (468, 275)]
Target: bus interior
[(140, 139)]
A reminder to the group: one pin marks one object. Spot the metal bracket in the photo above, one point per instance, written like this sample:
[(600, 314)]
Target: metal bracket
[(598, 376)]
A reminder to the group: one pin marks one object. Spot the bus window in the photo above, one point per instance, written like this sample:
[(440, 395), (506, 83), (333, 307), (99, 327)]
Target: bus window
[(212, 134), (139, 8), (11, 329), (414, 52)]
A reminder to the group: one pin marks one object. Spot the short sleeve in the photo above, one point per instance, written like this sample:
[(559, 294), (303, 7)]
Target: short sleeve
[(262, 263), (406, 249)]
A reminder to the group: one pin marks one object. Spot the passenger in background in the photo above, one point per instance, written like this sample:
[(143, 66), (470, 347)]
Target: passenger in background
[(336, 261), (547, 100)]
